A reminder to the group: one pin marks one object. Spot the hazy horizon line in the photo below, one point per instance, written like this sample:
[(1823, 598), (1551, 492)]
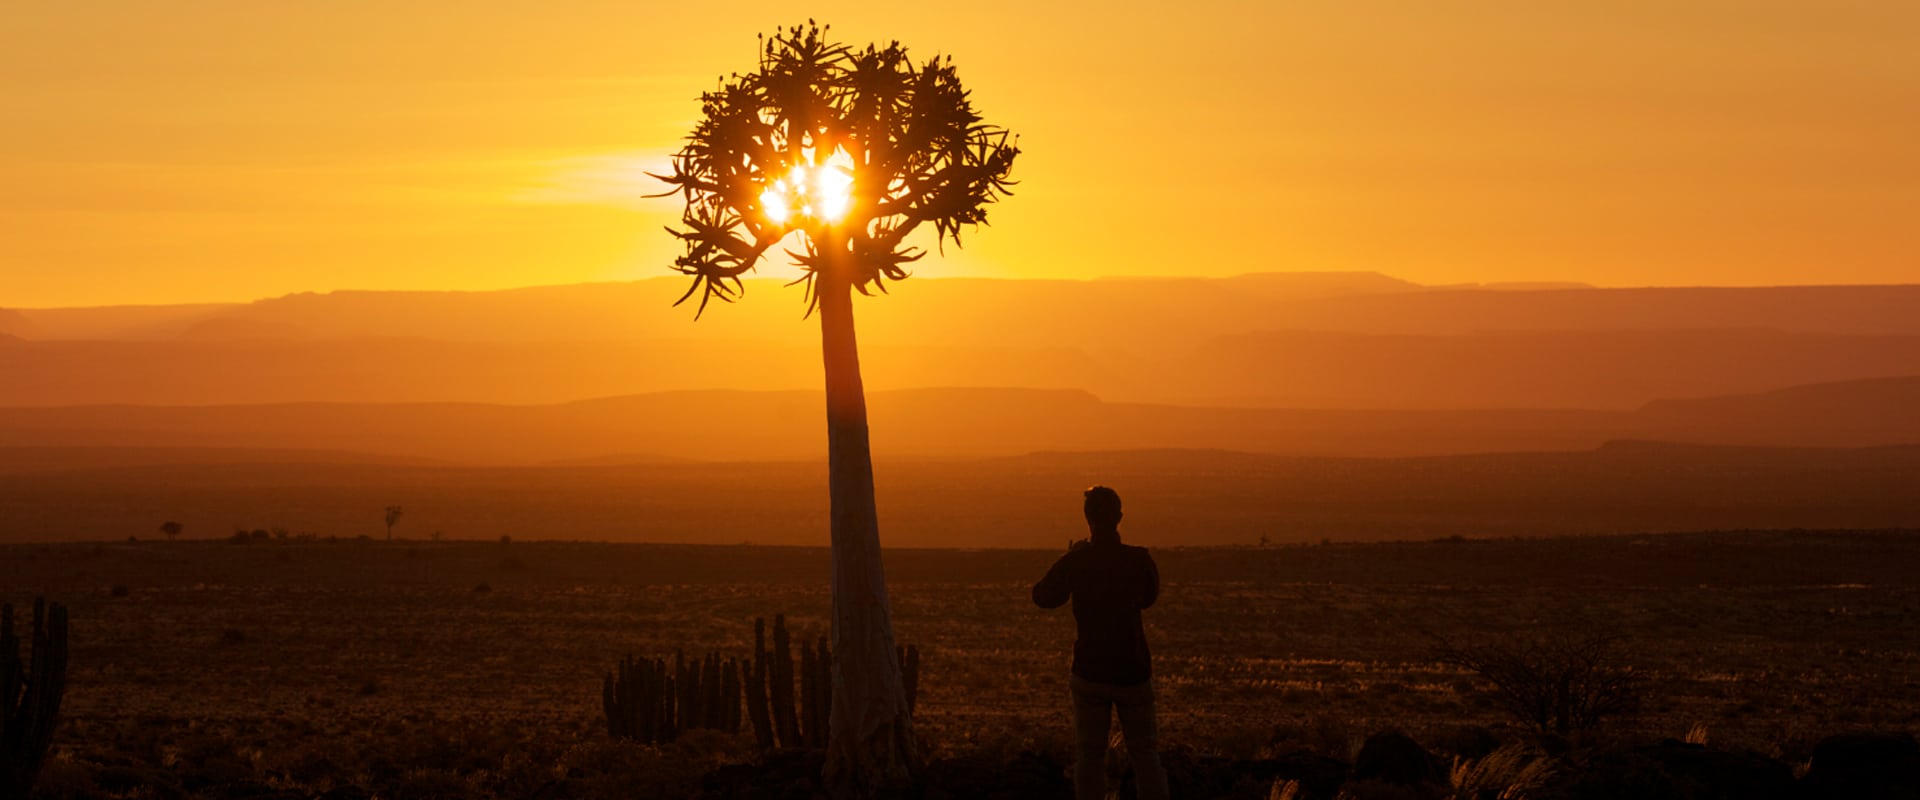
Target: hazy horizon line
[(1506, 285)]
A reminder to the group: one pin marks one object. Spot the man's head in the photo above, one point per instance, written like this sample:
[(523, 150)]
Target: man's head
[(1102, 508)]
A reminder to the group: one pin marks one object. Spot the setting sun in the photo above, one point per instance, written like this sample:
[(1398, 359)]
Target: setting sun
[(823, 193)]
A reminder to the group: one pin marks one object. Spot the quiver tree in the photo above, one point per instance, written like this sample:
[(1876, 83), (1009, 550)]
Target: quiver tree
[(393, 517), (171, 529), (30, 692), (853, 150)]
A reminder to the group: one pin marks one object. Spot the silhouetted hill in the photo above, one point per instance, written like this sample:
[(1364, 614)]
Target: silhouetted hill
[(117, 322), (1323, 340), (233, 361), (230, 370), (916, 310), (957, 422), (1525, 369), (16, 460), (1862, 310), (980, 311), (1513, 286), (13, 324), (968, 312), (1849, 413), (1297, 285), (1174, 497), (706, 425), (230, 328), (614, 460)]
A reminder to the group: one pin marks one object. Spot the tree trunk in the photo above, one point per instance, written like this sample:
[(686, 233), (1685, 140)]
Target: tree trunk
[(870, 732)]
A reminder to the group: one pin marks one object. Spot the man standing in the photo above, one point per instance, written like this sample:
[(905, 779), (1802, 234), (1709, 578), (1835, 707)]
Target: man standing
[(1109, 583)]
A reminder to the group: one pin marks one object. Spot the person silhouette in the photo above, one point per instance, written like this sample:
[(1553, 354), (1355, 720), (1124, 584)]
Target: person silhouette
[(1110, 584)]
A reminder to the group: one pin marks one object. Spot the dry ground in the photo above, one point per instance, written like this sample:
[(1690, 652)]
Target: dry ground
[(311, 664)]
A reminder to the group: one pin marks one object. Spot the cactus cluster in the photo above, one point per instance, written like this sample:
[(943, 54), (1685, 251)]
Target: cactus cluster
[(653, 700), (30, 692)]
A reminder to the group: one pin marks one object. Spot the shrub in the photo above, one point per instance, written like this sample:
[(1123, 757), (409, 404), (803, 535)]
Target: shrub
[(1557, 684)]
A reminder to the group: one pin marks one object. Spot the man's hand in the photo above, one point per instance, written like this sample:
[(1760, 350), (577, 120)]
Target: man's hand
[(1077, 544)]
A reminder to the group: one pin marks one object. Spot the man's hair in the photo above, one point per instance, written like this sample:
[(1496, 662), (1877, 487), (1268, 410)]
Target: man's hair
[(1102, 505)]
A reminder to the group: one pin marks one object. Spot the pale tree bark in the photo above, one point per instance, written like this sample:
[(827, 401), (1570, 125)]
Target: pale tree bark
[(870, 734)]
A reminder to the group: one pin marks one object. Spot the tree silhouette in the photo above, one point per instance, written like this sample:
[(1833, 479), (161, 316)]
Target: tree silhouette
[(393, 516), (171, 529), (854, 150)]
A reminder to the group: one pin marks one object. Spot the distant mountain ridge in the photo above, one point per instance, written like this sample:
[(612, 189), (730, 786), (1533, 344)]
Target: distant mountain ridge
[(19, 460), (969, 423), (1851, 413), (644, 309), (1618, 370), (13, 324), (950, 307), (1854, 310), (1278, 340)]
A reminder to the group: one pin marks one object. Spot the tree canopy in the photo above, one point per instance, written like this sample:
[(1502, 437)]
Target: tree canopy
[(900, 137)]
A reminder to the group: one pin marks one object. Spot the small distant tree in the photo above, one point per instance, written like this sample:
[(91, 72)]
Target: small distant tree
[(1557, 683), (171, 529), (393, 516)]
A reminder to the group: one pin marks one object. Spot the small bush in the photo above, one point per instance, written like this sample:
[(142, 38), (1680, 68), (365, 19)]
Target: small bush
[(1557, 684)]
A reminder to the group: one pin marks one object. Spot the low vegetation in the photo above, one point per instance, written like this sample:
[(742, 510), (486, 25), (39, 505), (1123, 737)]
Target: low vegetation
[(1559, 683), (363, 669)]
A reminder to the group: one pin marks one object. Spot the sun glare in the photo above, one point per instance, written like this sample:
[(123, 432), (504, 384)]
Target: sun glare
[(822, 193)]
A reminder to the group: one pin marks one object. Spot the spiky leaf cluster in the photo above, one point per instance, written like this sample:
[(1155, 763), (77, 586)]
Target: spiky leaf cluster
[(919, 154)]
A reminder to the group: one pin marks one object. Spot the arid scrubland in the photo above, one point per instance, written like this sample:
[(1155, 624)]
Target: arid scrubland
[(317, 665)]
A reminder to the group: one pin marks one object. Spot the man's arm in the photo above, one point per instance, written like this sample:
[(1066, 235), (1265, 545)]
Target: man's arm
[(1053, 590), (1152, 580)]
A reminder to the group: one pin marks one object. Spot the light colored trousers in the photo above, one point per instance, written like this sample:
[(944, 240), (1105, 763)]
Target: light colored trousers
[(1093, 708)]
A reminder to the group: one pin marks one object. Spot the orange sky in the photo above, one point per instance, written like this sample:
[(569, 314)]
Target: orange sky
[(165, 152)]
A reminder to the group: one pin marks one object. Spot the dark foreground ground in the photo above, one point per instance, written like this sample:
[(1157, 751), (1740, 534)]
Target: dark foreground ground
[(356, 669)]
